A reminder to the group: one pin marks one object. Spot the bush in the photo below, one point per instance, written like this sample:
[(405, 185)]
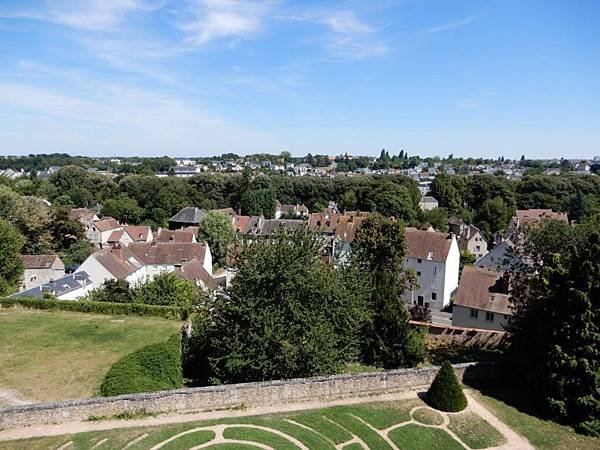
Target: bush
[(156, 367), (125, 309), (445, 393)]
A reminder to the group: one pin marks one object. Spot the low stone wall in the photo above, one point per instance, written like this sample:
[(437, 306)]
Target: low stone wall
[(234, 395)]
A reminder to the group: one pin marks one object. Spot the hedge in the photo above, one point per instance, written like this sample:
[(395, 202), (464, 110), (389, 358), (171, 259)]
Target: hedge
[(85, 306), (445, 393), (152, 368)]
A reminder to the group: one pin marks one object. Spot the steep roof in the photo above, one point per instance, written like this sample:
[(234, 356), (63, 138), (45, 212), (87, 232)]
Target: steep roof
[(428, 199), (272, 225), (119, 261), (39, 261), (427, 245), (194, 270), (188, 215), (501, 257), (342, 225), (167, 252), (137, 233), (187, 234), (476, 290), (247, 224), (106, 224)]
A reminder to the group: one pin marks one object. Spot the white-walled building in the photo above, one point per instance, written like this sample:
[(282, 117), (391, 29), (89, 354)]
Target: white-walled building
[(100, 231), (435, 258), (141, 262), (481, 300), (41, 269), (428, 203)]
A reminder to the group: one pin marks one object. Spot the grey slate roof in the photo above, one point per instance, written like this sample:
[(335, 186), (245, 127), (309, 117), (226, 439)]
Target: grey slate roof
[(501, 258), (58, 287), (188, 215)]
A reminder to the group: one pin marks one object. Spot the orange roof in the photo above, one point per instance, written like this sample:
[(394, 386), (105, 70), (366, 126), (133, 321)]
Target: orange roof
[(137, 233)]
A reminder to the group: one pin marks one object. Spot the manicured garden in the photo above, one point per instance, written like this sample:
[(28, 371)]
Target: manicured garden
[(408, 424), (55, 355)]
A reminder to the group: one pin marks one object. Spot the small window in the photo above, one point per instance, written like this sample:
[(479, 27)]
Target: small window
[(420, 300), (489, 316), (478, 248), (426, 304), (419, 260), (434, 296), (474, 314), (418, 274), (435, 270)]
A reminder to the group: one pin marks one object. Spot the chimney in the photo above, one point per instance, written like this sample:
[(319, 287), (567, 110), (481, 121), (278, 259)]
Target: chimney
[(117, 250), (178, 268)]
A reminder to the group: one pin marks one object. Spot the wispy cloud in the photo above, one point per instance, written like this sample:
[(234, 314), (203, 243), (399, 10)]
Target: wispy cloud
[(214, 19), (348, 35), (451, 25), (94, 15), (477, 100)]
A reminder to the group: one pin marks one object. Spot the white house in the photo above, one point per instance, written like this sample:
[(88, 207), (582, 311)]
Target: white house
[(141, 262), (41, 269), (481, 300), (435, 258), (131, 233), (100, 230), (427, 203), (469, 237)]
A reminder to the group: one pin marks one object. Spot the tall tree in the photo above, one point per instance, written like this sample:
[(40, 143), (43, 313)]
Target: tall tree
[(286, 314), (555, 330), (388, 339), (11, 267), (216, 229)]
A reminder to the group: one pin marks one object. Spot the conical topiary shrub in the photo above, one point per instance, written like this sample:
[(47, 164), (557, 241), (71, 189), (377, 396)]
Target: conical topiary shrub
[(445, 393)]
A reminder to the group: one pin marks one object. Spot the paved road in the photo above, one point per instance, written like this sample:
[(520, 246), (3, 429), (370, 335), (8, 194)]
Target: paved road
[(441, 318)]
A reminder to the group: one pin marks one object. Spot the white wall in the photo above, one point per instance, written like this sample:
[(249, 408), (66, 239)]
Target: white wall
[(452, 270), (461, 317), (98, 274), (430, 277)]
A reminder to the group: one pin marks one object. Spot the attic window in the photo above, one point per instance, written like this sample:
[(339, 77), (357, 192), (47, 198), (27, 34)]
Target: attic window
[(430, 256)]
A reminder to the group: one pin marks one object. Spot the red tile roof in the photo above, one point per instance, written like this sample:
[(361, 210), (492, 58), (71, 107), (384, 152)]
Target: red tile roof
[(137, 233), (167, 252), (106, 224)]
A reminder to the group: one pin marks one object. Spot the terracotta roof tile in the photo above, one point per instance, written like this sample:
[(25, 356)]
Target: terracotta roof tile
[(427, 245), (39, 261)]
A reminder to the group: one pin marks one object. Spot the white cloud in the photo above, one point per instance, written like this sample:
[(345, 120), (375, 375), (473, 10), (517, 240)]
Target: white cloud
[(477, 100), (94, 15), (214, 19), (451, 25), (346, 22)]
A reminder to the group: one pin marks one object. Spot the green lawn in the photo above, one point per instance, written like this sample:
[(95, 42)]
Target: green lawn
[(62, 355), (373, 424), (540, 433)]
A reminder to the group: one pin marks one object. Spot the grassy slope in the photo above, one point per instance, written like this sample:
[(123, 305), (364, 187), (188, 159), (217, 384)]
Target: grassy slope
[(541, 434), (59, 355)]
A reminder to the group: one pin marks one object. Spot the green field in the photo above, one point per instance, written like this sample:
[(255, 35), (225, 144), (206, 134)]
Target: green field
[(61, 355)]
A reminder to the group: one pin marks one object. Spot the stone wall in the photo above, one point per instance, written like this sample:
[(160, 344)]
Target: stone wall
[(234, 395)]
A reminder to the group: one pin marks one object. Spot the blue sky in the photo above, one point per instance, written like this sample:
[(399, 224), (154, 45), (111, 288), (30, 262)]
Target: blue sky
[(202, 77)]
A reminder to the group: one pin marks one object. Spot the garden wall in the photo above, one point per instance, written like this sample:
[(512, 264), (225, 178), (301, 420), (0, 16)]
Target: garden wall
[(234, 395)]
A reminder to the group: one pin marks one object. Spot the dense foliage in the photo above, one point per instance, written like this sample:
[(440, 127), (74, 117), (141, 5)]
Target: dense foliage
[(287, 314), (165, 289), (155, 367), (11, 267), (555, 330), (85, 306), (388, 340), (445, 392), (218, 232)]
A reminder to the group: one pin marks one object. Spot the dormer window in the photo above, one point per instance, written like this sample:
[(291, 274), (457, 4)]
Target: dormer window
[(430, 256)]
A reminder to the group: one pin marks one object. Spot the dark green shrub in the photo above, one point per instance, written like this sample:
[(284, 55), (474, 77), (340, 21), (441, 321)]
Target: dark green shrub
[(445, 393), (166, 312), (156, 367)]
